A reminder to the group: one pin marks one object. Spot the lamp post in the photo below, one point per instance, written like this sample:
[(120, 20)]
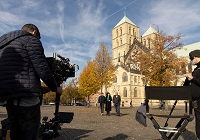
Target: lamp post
[(88, 101)]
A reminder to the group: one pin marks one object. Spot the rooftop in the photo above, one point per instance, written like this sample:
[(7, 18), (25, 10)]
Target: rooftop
[(149, 31), (123, 20), (183, 52)]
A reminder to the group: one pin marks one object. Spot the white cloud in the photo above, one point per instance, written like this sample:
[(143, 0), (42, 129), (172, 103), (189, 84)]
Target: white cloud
[(175, 16), (75, 29)]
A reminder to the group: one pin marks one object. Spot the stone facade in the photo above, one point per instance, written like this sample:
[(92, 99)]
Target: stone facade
[(126, 42)]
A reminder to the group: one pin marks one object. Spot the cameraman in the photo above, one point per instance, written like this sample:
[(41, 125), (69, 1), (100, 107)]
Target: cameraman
[(22, 65)]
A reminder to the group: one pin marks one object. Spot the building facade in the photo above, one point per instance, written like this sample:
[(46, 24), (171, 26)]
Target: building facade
[(126, 43)]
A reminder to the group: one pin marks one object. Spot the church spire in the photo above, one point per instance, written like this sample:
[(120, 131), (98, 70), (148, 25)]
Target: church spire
[(125, 11)]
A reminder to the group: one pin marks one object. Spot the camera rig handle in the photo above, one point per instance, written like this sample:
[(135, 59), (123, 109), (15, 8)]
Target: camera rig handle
[(62, 70), (57, 103)]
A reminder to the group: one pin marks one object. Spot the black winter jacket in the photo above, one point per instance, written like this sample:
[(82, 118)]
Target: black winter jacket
[(195, 83), (22, 64)]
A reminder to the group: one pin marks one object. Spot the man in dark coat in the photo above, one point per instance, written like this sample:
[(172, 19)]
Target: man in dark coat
[(117, 101), (22, 65), (193, 79), (102, 101)]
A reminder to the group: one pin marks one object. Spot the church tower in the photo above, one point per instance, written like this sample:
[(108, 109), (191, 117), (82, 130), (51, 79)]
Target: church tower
[(122, 37), (126, 43)]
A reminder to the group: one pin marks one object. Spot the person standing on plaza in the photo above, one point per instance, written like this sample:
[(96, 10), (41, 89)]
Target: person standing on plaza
[(102, 101), (108, 103), (131, 105), (22, 65), (193, 79), (117, 101)]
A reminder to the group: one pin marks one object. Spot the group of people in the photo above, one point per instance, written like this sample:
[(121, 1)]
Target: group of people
[(23, 64), (105, 102)]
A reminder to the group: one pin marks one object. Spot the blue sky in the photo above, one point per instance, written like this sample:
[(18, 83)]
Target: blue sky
[(76, 28)]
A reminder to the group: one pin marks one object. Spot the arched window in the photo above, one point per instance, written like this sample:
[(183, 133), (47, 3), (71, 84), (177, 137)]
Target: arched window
[(130, 40), (145, 42), (135, 92), (134, 32), (117, 42), (120, 30), (130, 30), (125, 92), (117, 32), (138, 79), (135, 79), (115, 79), (124, 77), (120, 41), (149, 42)]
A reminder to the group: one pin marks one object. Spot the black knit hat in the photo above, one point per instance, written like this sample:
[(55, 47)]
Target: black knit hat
[(195, 53)]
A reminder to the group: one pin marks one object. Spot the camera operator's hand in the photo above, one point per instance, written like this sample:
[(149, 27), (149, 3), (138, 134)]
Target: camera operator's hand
[(189, 76), (59, 90)]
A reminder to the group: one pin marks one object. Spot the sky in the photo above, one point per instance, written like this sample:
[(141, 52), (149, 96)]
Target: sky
[(75, 29)]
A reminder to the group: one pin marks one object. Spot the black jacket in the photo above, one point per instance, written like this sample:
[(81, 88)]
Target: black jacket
[(195, 83), (22, 64), (116, 99), (102, 99)]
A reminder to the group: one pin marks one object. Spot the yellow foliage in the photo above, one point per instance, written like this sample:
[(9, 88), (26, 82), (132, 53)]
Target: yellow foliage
[(88, 81), (104, 67), (161, 64)]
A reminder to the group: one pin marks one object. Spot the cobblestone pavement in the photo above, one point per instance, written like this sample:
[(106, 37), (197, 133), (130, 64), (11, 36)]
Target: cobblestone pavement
[(88, 124)]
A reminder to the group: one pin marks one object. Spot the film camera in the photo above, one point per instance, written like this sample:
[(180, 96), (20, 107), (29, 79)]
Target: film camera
[(49, 129), (61, 69)]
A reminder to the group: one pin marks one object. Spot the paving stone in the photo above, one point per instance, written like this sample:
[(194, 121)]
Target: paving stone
[(88, 124)]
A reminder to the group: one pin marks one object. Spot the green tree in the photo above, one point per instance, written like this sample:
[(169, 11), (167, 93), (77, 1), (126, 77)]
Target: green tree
[(104, 68)]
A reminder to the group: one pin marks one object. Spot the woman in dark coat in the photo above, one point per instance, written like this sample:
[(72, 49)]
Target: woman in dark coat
[(108, 103)]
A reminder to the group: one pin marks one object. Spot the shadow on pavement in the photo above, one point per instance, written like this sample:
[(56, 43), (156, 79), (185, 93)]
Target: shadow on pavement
[(121, 114), (188, 135), (76, 134), (125, 108), (117, 137)]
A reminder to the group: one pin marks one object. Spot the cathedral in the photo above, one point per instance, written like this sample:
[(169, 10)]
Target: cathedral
[(126, 43)]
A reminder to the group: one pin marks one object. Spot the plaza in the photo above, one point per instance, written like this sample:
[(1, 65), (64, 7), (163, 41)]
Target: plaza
[(88, 124)]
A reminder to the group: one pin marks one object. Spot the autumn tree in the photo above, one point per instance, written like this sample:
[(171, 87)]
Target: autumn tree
[(160, 64), (47, 94), (70, 92), (88, 81), (104, 68)]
